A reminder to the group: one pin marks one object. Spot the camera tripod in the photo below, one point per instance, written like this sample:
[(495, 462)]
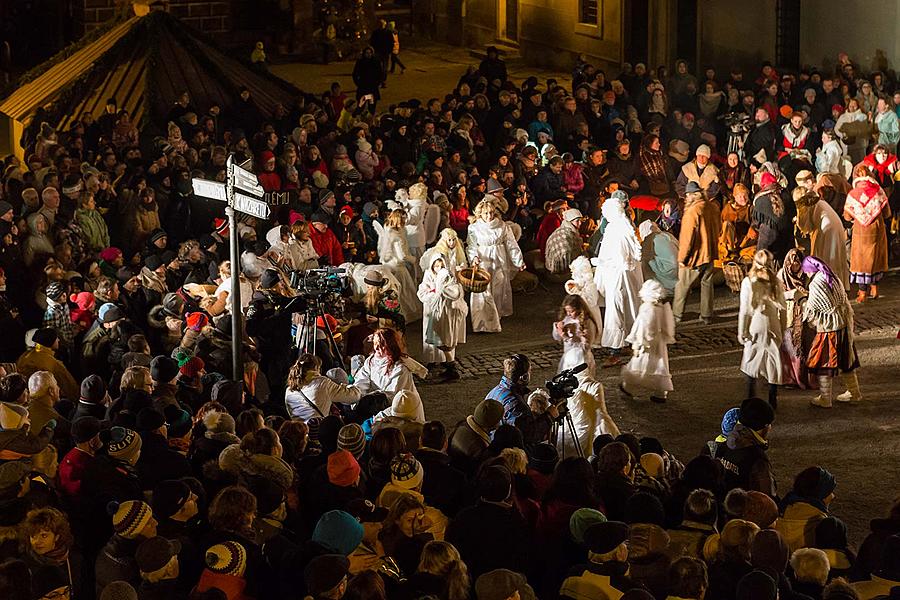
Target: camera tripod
[(307, 331), (560, 425)]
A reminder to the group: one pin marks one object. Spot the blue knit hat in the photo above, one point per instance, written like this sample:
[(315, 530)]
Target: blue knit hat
[(730, 419), (338, 531)]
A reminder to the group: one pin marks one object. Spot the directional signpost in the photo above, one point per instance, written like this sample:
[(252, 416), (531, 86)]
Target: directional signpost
[(242, 193)]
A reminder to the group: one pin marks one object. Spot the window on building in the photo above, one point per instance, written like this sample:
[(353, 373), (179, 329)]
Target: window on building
[(589, 13)]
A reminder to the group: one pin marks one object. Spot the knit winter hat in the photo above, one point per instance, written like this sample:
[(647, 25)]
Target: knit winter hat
[(581, 520), (352, 438), (110, 254), (543, 458), (227, 558), (5, 207), (759, 508), (756, 413), (150, 419), (197, 321), (407, 472), (406, 404), (163, 369), (124, 444), (325, 572), (730, 419), (338, 531), (54, 290), (169, 496), (83, 300), (343, 470), (155, 553), (45, 337), (178, 421), (119, 590), (192, 366), (129, 518), (769, 551), (93, 389), (756, 585), (645, 508), (85, 429)]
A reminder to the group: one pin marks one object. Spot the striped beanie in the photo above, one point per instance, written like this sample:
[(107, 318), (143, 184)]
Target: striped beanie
[(130, 518), (124, 444), (352, 438), (227, 558)]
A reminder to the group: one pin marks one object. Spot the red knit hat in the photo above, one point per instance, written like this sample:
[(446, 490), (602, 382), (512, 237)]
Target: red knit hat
[(343, 470), (197, 321), (332, 322), (766, 180), (192, 367), (221, 226), (266, 156)]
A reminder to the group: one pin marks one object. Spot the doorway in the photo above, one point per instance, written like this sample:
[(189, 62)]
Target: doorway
[(686, 26), (637, 31), (508, 20)]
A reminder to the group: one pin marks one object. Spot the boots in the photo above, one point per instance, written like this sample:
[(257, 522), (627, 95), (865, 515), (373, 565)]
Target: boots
[(873, 291), (861, 297), (823, 400), (852, 394)]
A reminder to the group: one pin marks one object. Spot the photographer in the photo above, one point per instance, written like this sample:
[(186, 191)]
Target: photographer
[(269, 319), (512, 392)]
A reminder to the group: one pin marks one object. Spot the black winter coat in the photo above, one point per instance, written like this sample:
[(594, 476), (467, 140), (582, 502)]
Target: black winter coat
[(489, 536), (444, 488), (159, 462)]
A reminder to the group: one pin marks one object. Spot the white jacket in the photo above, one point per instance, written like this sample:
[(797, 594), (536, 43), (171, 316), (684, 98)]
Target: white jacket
[(316, 397)]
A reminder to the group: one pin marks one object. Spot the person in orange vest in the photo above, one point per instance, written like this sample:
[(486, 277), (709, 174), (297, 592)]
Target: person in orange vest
[(395, 51)]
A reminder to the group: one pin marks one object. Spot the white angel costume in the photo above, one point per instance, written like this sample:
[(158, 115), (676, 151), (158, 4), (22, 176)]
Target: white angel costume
[(587, 406), (416, 207), (393, 252), (761, 323), (618, 275), (498, 253), (582, 284), (577, 341), (451, 248), (444, 312), (652, 332)]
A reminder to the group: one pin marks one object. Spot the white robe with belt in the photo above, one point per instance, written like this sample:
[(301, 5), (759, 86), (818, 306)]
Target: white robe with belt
[(828, 238), (499, 254), (444, 316), (761, 324)]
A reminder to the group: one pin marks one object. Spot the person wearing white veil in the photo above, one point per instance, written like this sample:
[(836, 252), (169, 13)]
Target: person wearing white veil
[(451, 247), (444, 314), (587, 407), (652, 332), (416, 208), (394, 254), (581, 283), (659, 255), (492, 245), (618, 275)]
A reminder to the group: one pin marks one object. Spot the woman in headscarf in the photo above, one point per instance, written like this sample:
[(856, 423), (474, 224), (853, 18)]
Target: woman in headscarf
[(833, 189), (38, 242), (618, 276), (761, 324), (867, 207), (653, 169), (798, 336), (771, 218), (833, 349)]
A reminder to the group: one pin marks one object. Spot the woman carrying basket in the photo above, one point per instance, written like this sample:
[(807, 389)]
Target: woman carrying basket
[(491, 247)]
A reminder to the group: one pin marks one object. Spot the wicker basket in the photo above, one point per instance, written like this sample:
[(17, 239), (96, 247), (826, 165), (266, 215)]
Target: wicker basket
[(474, 280)]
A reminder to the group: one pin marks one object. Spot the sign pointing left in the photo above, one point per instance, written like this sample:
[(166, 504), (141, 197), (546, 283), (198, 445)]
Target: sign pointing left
[(210, 189)]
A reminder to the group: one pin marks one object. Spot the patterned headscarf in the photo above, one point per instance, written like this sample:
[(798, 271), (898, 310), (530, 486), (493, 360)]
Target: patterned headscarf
[(793, 280)]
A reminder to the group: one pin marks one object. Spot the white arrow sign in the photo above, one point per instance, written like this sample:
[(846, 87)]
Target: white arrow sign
[(210, 189), (251, 206), (246, 181)]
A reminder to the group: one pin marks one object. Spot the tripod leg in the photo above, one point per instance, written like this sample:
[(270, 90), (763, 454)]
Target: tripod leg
[(328, 334)]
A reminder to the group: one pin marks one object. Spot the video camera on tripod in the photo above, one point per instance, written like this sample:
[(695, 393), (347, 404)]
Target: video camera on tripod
[(318, 287), (560, 387), (325, 281)]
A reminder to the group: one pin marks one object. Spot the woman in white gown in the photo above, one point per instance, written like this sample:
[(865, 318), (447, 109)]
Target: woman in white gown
[(587, 406), (652, 332), (451, 247), (393, 253), (491, 244), (577, 331), (618, 275), (582, 284), (444, 313)]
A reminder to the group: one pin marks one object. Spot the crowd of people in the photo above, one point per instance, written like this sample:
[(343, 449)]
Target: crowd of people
[(135, 462)]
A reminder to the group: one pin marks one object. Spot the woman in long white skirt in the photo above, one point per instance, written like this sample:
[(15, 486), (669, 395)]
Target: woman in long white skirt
[(587, 407), (444, 314), (576, 330), (394, 254), (651, 334)]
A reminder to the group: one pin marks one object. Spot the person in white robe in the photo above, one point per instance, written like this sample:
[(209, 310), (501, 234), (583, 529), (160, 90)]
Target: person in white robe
[(659, 255), (650, 336), (761, 323), (416, 209), (492, 245), (577, 331), (294, 245), (817, 219), (394, 254), (618, 275), (582, 284), (450, 246), (444, 314), (388, 369), (587, 407)]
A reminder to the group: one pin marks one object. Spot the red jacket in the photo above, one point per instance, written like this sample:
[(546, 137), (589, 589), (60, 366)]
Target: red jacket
[(71, 469), (231, 586), (549, 224), (270, 181), (327, 244)]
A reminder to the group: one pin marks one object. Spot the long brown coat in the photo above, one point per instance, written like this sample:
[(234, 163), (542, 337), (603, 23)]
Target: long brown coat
[(868, 244), (698, 242)]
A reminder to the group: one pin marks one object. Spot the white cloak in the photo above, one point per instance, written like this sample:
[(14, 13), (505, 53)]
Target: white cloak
[(393, 252), (619, 279), (652, 332), (587, 406), (444, 316), (499, 254), (761, 324), (828, 238)]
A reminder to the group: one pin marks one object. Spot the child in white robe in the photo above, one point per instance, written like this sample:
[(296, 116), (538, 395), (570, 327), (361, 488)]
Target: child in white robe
[(652, 332), (444, 318)]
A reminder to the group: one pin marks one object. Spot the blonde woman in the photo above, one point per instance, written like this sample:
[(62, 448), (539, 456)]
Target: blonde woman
[(492, 245), (393, 253), (451, 248), (441, 569), (761, 323)]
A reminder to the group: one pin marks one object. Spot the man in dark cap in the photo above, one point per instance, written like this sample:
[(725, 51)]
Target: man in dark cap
[(503, 584), (472, 437), (163, 371), (326, 576), (157, 561), (97, 343), (606, 573), (42, 358), (492, 534), (175, 506), (743, 454), (158, 460), (757, 585)]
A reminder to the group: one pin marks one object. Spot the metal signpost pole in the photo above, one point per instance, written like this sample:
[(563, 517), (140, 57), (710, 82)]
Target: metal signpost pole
[(237, 330)]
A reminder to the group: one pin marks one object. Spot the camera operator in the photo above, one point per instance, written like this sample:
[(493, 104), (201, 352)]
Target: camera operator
[(512, 392), (269, 319)]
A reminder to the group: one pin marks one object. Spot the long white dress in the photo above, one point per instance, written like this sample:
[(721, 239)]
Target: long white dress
[(618, 275), (393, 253), (577, 342), (582, 284), (828, 238), (587, 406), (415, 230), (650, 336), (494, 244), (761, 323), (444, 315)]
